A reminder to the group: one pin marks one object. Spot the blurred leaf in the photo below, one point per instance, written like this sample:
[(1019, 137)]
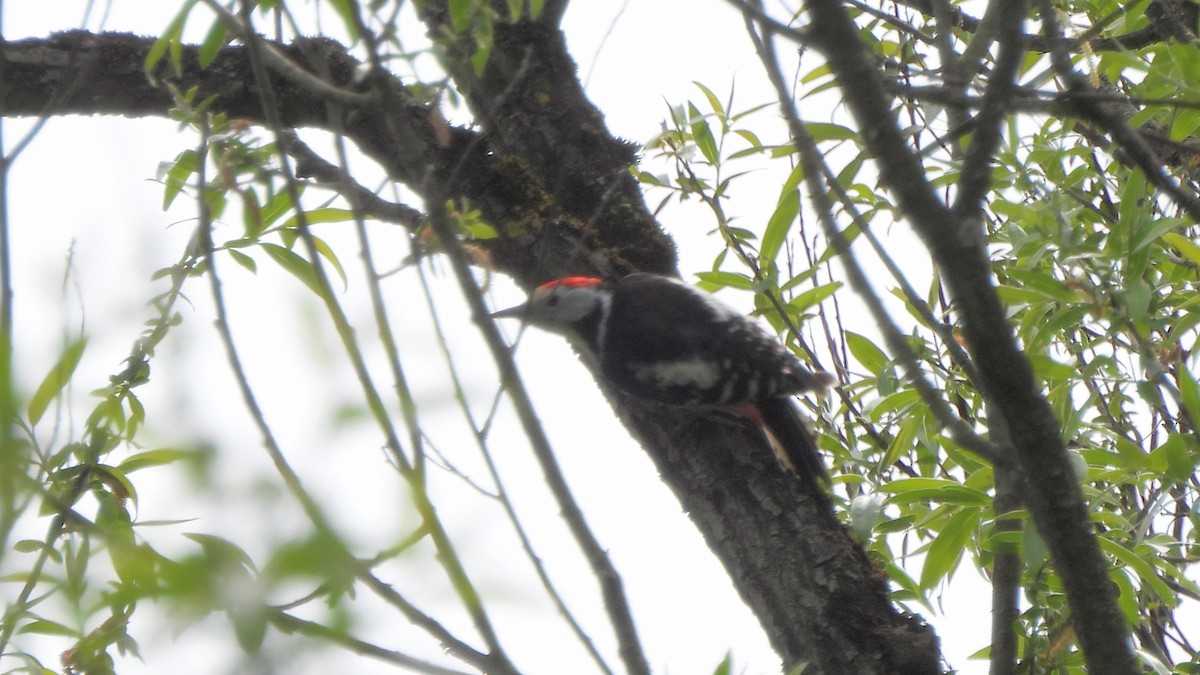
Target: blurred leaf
[(871, 357), (170, 41), (702, 135), (947, 549), (726, 665), (28, 545), (318, 216), (814, 296), (1190, 392), (713, 101), (1144, 571), (1186, 247), (347, 10), (327, 253), (296, 265), (55, 381), (779, 225), (712, 281), (149, 458), (824, 131), (177, 175), (46, 627), (934, 490), (213, 43), (244, 260)]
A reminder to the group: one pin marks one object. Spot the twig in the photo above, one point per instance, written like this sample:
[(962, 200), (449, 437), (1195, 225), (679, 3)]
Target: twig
[(451, 563), (1134, 146), (958, 430), (292, 624), (361, 200), (278, 62)]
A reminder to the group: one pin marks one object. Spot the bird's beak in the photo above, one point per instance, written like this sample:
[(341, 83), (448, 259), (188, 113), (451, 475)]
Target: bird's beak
[(511, 313)]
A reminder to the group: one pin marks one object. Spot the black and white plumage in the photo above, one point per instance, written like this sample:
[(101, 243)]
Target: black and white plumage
[(659, 339)]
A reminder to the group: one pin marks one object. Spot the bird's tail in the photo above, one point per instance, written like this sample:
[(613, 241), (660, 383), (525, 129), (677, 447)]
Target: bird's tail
[(794, 444)]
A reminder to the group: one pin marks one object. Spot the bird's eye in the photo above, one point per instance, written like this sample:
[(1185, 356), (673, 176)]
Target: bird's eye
[(552, 301)]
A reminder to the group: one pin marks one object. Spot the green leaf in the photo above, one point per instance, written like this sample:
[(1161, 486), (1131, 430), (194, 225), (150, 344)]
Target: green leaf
[(244, 260), (296, 264), (29, 545), (1155, 230), (316, 216), (221, 551), (55, 380), (1144, 570), (900, 401), (1033, 547), (779, 225), (213, 43), (1190, 391), (814, 296), (947, 549), (1138, 295), (327, 253), (46, 627), (824, 131), (703, 135), (279, 204), (346, 9), (711, 281), (143, 460), (713, 101), (1172, 459), (1186, 247), (116, 481), (935, 490), (185, 165), (249, 626), (871, 357), (483, 40), (725, 667), (903, 442), (461, 13), (169, 40)]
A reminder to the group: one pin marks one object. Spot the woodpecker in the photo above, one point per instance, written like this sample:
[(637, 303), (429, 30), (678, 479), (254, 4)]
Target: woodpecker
[(659, 339)]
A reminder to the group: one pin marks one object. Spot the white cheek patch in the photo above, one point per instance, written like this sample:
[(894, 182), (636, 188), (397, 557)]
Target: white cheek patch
[(693, 373)]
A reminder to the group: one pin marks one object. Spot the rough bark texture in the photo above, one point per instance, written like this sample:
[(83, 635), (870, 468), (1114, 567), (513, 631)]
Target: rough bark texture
[(545, 171)]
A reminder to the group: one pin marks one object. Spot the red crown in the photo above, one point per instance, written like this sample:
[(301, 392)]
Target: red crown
[(572, 282)]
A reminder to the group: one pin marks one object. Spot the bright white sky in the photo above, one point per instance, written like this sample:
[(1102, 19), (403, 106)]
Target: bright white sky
[(87, 184)]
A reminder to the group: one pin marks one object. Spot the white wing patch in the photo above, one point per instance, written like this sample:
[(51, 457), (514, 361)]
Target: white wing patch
[(692, 373)]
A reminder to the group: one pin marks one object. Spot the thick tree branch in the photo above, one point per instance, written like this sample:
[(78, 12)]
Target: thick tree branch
[(814, 590)]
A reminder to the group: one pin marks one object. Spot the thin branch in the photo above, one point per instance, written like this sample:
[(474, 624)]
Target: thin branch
[(502, 495), (975, 178), (1054, 496), (1133, 145), (281, 64), (815, 169), (292, 624), (605, 572), (451, 563), (311, 165)]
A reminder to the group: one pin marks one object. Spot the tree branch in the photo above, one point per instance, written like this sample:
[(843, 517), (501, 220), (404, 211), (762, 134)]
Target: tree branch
[(1054, 495), (816, 593)]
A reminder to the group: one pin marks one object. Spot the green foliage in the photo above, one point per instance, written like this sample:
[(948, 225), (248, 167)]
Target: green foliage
[(1098, 270)]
